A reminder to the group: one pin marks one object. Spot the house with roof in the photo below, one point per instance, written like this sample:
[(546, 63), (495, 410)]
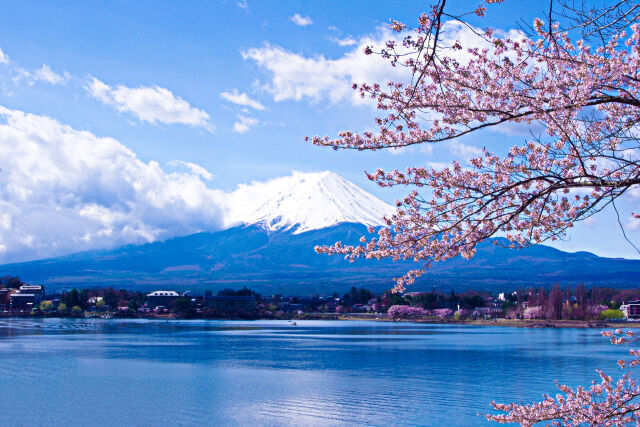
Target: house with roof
[(487, 313), (631, 310), (27, 298), (161, 298)]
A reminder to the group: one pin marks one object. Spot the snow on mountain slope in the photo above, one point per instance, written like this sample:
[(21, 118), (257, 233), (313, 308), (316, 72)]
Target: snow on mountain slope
[(303, 202)]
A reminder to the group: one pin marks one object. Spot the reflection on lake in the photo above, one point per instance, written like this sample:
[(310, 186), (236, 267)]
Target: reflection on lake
[(138, 372)]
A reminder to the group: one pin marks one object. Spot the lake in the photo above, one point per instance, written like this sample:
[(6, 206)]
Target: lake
[(147, 372)]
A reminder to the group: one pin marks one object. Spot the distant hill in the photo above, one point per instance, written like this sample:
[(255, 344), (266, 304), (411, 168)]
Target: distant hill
[(283, 261), (268, 245)]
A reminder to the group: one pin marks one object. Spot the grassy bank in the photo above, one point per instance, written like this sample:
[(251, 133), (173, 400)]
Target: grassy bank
[(513, 323)]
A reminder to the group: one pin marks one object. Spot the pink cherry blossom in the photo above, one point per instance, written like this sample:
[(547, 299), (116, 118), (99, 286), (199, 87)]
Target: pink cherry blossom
[(397, 312), (443, 313), (608, 402), (586, 97)]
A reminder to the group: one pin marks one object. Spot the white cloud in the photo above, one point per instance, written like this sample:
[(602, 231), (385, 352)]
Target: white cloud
[(242, 99), (242, 4), (425, 148), (65, 190), (296, 77), (347, 41), (520, 129), (317, 78), (300, 20), (4, 58), (43, 74), (46, 74), (244, 124), (22, 74), (149, 104), (99, 90), (195, 169), (438, 165), (463, 151), (468, 38)]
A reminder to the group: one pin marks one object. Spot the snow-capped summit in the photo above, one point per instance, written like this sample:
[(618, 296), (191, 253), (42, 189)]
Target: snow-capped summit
[(303, 202)]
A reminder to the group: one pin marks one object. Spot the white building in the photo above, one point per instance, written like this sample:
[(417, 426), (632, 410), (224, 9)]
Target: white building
[(161, 298)]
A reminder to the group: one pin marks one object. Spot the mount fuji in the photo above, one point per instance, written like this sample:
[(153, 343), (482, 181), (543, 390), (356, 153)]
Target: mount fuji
[(303, 202), (267, 243)]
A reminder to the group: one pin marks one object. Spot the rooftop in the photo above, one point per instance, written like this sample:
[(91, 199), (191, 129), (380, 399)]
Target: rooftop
[(30, 288), (163, 294)]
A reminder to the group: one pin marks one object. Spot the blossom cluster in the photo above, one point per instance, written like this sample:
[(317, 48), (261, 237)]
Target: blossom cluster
[(396, 312), (442, 312), (586, 99), (535, 312), (608, 402)]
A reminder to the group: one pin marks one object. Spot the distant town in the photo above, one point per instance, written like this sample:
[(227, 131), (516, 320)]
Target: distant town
[(580, 304)]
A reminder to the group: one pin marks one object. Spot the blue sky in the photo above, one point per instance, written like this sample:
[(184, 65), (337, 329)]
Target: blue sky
[(204, 95)]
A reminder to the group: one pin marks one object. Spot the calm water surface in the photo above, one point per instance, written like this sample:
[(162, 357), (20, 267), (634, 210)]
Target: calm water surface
[(133, 372)]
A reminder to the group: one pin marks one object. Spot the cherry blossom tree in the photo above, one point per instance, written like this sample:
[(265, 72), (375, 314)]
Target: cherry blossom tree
[(606, 403), (535, 312), (442, 313), (397, 312), (574, 74)]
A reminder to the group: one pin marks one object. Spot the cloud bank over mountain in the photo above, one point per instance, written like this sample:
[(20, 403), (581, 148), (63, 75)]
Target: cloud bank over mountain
[(65, 190)]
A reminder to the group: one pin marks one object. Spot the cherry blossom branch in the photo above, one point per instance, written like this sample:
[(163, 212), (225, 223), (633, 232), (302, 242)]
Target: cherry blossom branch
[(587, 99), (607, 403)]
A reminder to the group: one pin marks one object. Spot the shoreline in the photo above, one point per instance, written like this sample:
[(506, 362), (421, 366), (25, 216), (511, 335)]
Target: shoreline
[(509, 323), (512, 323)]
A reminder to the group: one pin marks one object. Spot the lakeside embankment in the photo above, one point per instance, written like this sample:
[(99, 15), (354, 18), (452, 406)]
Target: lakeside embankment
[(514, 323), (584, 308)]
